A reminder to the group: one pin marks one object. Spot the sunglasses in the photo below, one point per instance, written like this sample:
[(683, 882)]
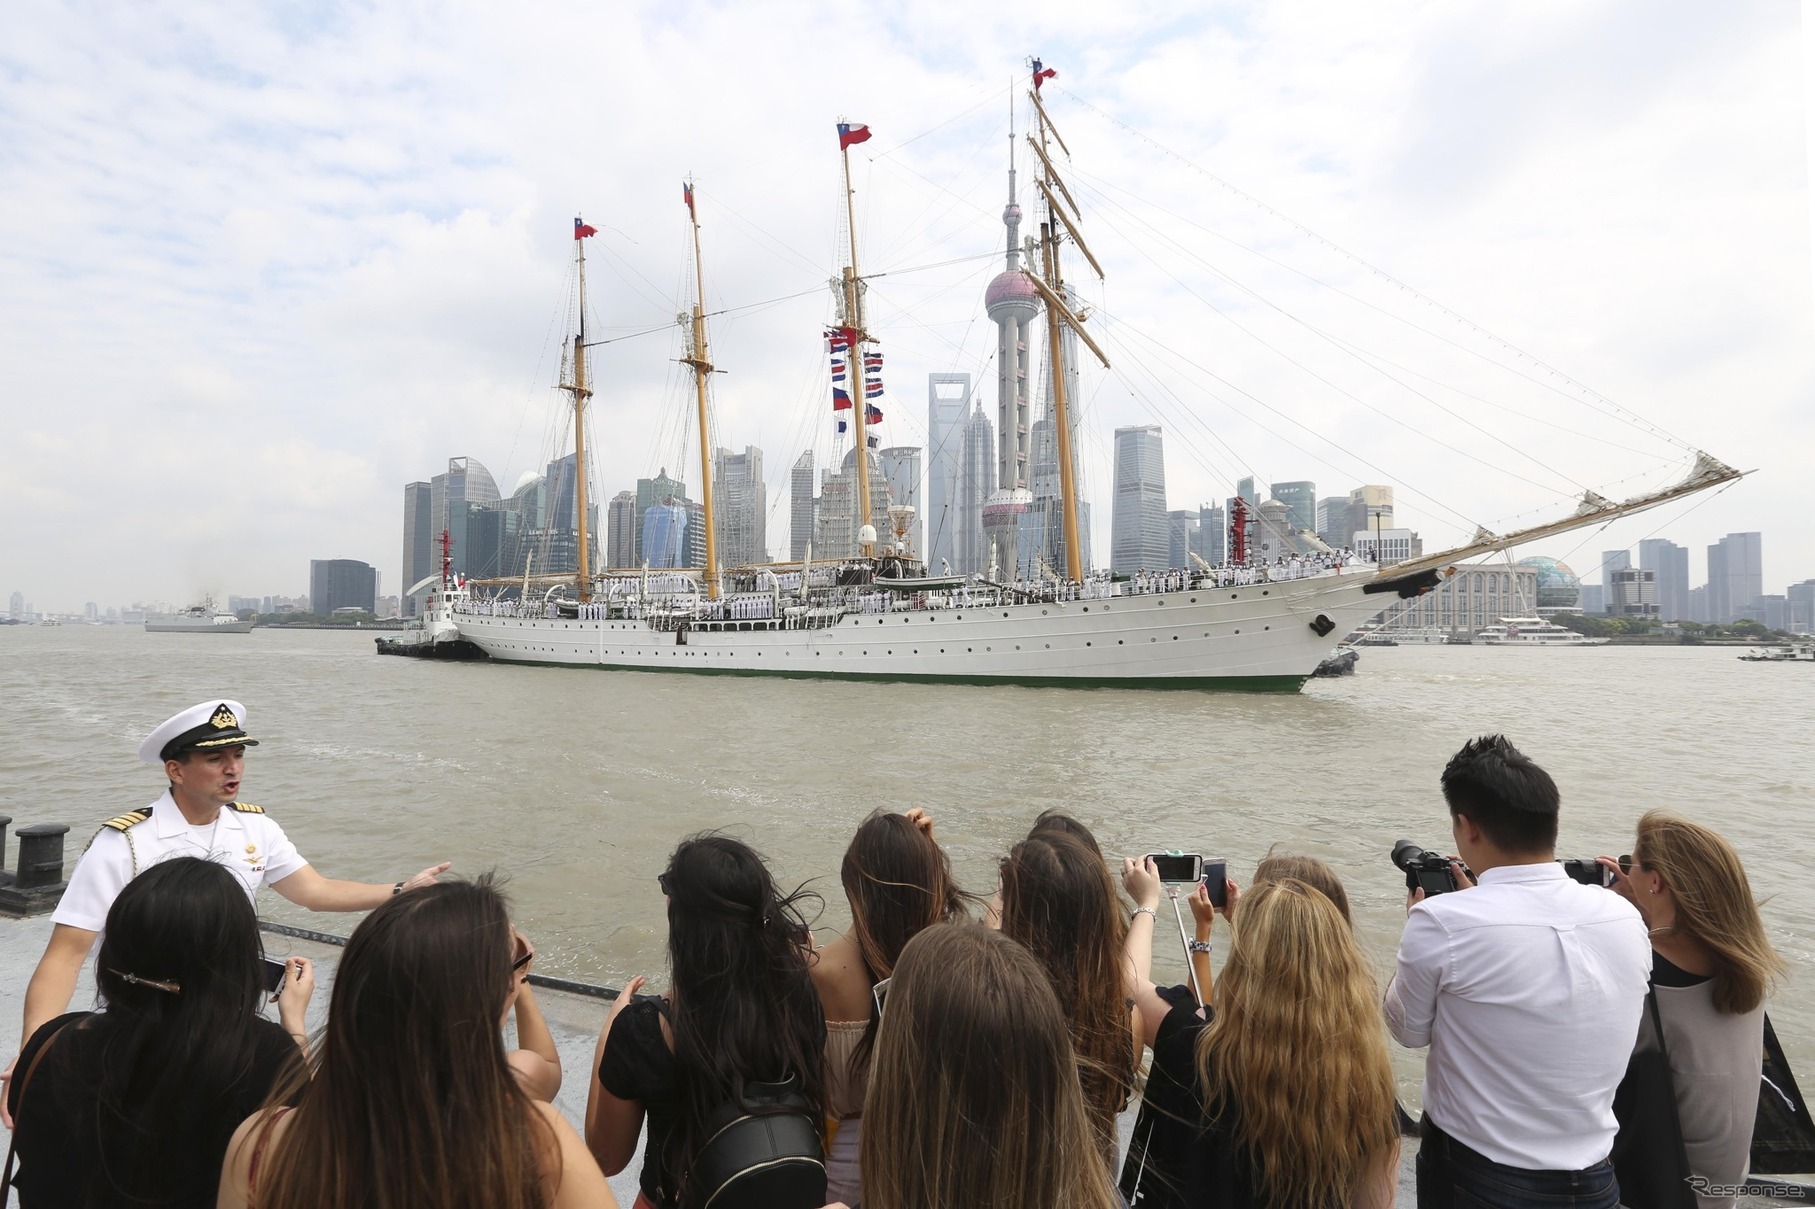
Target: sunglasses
[(1626, 863), (661, 879)]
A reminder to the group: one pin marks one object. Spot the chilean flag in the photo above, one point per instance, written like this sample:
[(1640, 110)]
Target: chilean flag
[(848, 134), (687, 196), (1042, 74), (581, 230)]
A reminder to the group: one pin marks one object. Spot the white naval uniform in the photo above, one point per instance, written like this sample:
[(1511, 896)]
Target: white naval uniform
[(252, 846)]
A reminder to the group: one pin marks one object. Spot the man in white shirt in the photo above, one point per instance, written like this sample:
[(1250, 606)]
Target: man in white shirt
[(1528, 989), (202, 752)]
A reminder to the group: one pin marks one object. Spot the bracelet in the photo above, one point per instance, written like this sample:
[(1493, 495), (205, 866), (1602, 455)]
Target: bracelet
[(1199, 946), (1146, 910), (397, 889)]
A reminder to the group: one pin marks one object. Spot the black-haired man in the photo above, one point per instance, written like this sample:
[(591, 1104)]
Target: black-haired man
[(1527, 989)]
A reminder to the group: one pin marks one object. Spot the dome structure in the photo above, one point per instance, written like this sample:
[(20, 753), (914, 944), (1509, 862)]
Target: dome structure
[(1558, 586), (1011, 290)]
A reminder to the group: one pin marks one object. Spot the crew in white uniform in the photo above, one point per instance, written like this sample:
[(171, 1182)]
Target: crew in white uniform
[(202, 752)]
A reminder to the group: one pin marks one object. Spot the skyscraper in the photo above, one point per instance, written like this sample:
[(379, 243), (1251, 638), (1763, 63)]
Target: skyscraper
[(1370, 509), (800, 506), (341, 583), (1801, 599), (651, 492), (1138, 537), (620, 530), (1213, 533), (1333, 521), (838, 521), (1671, 562), (418, 540), (948, 398), (1735, 575), (665, 534), (1045, 480), (1300, 498), (1181, 536), (977, 466), (741, 500), (466, 481), (1012, 303), (901, 466), (1244, 487)]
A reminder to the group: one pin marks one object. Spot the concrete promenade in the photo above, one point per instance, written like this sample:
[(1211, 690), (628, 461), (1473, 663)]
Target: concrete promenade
[(574, 1020)]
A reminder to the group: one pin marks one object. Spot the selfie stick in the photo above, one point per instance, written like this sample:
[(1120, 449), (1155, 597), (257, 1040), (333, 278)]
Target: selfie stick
[(1172, 893)]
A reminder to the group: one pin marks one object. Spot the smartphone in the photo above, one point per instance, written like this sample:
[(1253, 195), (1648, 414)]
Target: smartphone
[(275, 972), (1178, 868), (1216, 880)]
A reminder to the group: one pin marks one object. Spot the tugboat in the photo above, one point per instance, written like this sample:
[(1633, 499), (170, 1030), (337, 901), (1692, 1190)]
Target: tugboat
[(434, 635)]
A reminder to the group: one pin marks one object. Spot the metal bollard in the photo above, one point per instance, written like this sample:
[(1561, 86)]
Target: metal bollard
[(41, 854), (6, 821)]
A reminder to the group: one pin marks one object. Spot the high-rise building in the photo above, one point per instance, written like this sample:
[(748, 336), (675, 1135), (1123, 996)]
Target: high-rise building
[(977, 467), (15, 606), (1370, 508), (341, 583), (494, 535), (1698, 604), (1735, 575), (839, 521), (620, 530), (665, 534), (1138, 539), (741, 500), (1013, 304), (800, 506), (466, 481), (948, 404), (1801, 610), (696, 535), (1244, 487), (1301, 499), (1670, 563), (1213, 533), (1333, 521), (901, 467), (651, 492), (418, 540), (1181, 536), (1632, 593), (1392, 545)]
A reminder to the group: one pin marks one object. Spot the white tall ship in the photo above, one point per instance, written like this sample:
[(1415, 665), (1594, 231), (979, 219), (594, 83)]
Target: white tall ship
[(881, 615)]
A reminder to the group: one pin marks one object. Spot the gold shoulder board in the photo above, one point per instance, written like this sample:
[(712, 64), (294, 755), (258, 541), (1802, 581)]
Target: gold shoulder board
[(127, 820), (248, 808)]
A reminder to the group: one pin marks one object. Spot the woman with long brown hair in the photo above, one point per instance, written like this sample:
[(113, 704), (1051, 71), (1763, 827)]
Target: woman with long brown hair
[(1712, 967), (1281, 1095), (898, 881), (972, 1101), (413, 1099), (1059, 901)]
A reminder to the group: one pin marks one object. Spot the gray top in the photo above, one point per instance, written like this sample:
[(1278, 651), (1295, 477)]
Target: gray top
[(1716, 1061)]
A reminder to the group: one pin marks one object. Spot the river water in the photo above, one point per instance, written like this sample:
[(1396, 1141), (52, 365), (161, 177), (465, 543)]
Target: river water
[(577, 783)]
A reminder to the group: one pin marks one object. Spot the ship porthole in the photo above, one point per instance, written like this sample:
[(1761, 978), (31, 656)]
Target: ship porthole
[(1087, 644)]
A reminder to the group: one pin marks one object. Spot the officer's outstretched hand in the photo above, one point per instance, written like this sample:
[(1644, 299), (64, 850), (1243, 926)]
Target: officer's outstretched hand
[(427, 876)]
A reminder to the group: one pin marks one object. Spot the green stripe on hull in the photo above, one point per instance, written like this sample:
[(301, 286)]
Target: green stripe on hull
[(1222, 684)]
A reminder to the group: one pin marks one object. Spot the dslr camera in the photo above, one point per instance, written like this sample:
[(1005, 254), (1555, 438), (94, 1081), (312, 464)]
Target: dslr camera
[(1425, 870)]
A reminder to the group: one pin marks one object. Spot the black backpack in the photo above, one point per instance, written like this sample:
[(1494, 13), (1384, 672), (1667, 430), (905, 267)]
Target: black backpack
[(761, 1152)]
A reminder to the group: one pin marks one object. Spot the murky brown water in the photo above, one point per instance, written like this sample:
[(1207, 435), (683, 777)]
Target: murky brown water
[(577, 783)]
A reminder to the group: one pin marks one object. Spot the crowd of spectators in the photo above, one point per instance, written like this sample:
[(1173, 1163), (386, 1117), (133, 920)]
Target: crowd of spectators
[(947, 1049)]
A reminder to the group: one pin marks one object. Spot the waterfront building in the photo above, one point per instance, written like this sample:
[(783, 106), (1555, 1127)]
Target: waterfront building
[(342, 583), (1735, 575), (1632, 593), (1670, 563), (418, 540), (1611, 561), (15, 607), (1244, 487), (1301, 498), (1181, 536), (1391, 546), (1772, 609), (1698, 604), (696, 536), (1559, 589), (800, 506), (620, 530), (1137, 537), (901, 466), (1213, 533), (466, 481), (1800, 598), (1045, 550), (1277, 535), (948, 401), (494, 536), (1594, 599), (651, 492), (665, 534), (840, 522), (1476, 596), (977, 465), (1333, 526), (1370, 508), (741, 499)]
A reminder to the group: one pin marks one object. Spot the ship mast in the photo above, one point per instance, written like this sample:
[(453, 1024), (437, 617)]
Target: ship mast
[(702, 366), (580, 392), (853, 317), (1051, 285)]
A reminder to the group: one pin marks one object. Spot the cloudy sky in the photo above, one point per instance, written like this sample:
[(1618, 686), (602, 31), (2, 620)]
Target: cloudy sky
[(266, 264)]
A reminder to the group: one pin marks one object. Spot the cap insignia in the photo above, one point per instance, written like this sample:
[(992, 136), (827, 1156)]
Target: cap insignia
[(223, 719)]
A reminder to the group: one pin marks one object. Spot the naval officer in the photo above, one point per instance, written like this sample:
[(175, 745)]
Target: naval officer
[(202, 752)]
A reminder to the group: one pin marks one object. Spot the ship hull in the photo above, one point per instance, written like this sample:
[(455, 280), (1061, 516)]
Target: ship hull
[(198, 627), (1262, 637)]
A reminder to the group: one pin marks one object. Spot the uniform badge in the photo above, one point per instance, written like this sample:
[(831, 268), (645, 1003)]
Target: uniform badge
[(223, 718)]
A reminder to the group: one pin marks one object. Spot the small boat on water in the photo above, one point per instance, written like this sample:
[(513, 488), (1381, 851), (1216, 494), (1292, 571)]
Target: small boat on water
[(202, 618), (1795, 652), (1533, 631)]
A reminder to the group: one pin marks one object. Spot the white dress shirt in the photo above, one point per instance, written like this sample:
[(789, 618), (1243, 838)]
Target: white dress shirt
[(252, 846), (1528, 989)]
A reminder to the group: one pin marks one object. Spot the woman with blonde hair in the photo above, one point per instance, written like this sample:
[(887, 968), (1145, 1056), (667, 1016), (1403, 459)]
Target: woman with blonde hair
[(972, 1099), (1282, 1094), (1712, 967)]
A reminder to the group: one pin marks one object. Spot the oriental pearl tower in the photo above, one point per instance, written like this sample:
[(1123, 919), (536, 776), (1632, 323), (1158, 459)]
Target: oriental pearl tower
[(1012, 303)]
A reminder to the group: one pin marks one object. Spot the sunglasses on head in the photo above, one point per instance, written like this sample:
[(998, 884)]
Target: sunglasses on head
[(661, 879), (879, 993)]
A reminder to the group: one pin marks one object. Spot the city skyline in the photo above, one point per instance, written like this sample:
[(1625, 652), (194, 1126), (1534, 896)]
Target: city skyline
[(318, 295)]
